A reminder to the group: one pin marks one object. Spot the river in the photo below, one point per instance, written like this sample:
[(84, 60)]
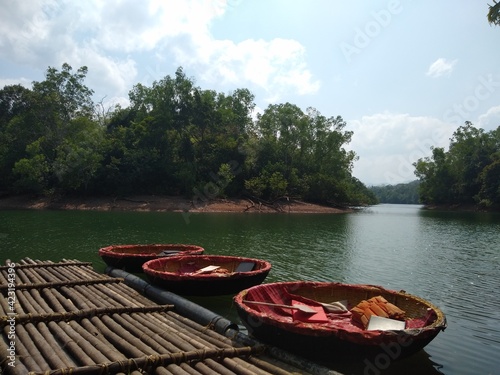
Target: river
[(449, 258)]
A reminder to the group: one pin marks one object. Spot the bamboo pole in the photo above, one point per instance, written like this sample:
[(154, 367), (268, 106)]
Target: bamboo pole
[(87, 272), (23, 338), (72, 273), (151, 361), (18, 367), (213, 367), (112, 351), (58, 355), (4, 306), (58, 299), (80, 348), (80, 314), (51, 360), (35, 294), (47, 265), (52, 301), (242, 368), (116, 296), (172, 329), (182, 305), (73, 347), (4, 276), (98, 300), (168, 341), (21, 277), (182, 340), (194, 327), (124, 342), (271, 365), (200, 343), (191, 370), (195, 338), (95, 338), (59, 283), (131, 293), (76, 299), (175, 370), (25, 357), (57, 358)]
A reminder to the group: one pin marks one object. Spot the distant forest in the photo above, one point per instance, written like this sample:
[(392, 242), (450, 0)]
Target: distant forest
[(398, 194), (174, 139)]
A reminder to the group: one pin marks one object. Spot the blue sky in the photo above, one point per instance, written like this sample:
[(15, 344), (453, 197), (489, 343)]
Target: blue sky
[(403, 74)]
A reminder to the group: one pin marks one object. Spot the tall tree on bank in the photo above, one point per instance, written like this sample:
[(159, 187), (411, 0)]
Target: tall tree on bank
[(302, 155), (57, 139), (465, 174)]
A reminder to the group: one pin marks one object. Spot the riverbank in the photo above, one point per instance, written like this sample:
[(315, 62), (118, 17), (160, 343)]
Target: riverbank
[(156, 203)]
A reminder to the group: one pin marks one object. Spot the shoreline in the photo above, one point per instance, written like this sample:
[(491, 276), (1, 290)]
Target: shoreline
[(157, 203)]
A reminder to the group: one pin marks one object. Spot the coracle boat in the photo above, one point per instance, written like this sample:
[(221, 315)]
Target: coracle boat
[(206, 275), (333, 321), (132, 257)]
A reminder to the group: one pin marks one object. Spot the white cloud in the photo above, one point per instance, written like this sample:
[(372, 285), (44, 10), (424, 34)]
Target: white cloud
[(20, 81), (276, 66), (441, 67), (490, 120), (388, 144), (111, 37)]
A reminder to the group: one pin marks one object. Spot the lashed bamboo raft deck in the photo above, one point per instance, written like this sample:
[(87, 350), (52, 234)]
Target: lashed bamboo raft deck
[(70, 319)]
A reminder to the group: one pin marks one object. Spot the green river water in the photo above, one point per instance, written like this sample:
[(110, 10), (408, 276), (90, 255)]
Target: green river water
[(451, 259)]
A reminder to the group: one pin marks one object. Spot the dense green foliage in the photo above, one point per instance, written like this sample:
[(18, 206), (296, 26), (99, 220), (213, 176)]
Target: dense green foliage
[(398, 194), (174, 138), (494, 13), (468, 173)]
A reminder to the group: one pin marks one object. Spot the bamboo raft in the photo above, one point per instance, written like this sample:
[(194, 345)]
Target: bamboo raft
[(65, 318)]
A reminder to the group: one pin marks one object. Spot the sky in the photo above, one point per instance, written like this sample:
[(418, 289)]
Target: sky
[(403, 74)]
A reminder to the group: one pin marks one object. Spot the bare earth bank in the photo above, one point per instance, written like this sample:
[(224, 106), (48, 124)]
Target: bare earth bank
[(160, 203)]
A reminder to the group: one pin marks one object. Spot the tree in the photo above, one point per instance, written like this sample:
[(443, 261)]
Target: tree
[(466, 174), (304, 155), (435, 178), (55, 124), (18, 129), (494, 13)]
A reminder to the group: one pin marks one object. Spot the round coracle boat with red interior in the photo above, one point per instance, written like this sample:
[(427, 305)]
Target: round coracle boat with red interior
[(131, 257), (206, 275)]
